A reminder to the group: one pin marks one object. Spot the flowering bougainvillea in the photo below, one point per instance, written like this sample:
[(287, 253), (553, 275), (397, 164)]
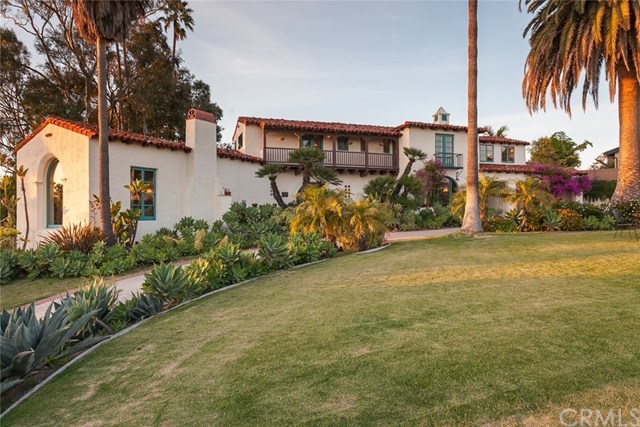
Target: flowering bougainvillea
[(561, 180)]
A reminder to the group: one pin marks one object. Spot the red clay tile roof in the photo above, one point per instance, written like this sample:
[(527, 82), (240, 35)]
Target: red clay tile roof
[(436, 126), (489, 139), (91, 131), (527, 169), (226, 153), (309, 126)]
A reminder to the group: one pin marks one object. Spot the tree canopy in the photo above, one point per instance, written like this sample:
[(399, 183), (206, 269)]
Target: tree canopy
[(558, 149)]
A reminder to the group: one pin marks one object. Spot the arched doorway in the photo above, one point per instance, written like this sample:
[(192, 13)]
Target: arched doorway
[(54, 194), (449, 187)]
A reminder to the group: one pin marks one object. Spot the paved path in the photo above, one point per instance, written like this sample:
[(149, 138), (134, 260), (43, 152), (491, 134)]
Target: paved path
[(129, 284)]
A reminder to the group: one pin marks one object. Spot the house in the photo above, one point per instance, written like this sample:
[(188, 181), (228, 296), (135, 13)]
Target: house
[(199, 179), (360, 152), (62, 158), (608, 171)]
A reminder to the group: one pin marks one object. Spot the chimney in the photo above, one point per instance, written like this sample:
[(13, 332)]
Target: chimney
[(202, 165)]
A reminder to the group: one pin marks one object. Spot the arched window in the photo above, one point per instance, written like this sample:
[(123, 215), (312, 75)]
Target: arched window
[(54, 194), (448, 188)]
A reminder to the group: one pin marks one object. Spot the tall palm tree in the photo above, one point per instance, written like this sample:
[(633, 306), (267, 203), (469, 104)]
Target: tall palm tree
[(177, 14), (501, 131), (307, 157), (471, 223), (320, 211), (101, 22), (272, 171), (414, 155), (568, 37)]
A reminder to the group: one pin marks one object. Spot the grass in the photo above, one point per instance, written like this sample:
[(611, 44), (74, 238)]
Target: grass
[(497, 330), (24, 290)]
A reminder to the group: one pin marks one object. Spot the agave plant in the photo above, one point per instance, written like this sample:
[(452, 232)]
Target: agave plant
[(133, 310), (97, 298), (274, 253), (552, 221), (168, 283), (28, 342)]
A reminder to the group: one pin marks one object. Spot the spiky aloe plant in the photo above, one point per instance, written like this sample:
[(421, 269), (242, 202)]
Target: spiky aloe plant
[(274, 253), (169, 283), (26, 342)]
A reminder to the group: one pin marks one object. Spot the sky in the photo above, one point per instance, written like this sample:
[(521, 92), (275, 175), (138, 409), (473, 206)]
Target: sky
[(376, 62)]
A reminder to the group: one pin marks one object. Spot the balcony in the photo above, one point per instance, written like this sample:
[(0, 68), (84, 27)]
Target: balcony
[(450, 160), (345, 160)]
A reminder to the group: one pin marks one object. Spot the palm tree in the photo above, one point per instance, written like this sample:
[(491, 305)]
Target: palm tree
[(307, 157), (272, 171), (320, 211), (471, 223), (365, 216), (322, 175), (489, 187), (21, 173), (529, 194), (380, 187), (101, 22), (413, 154), (177, 14), (568, 37), (501, 132)]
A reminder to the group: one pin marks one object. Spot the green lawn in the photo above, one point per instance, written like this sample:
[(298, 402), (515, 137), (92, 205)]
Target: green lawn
[(496, 330)]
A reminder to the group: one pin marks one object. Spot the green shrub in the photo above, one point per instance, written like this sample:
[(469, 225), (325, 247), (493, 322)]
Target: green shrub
[(572, 221), (133, 310), (274, 253), (76, 237), (584, 209), (9, 268), (606, 223), (500, 224), (535, 220), (96, 298), (552, 221), (28, 343), (168, 283)]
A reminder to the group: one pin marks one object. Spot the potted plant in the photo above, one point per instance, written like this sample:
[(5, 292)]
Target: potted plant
[(227, 192)]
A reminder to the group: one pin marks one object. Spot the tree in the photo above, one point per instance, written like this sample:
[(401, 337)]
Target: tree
[(568, 37), (271, 171), (21, 172), (365, 217), (101, 22), (323, 175), (414, 155), (501, 132), (528, 194), (471, 222), (177, 14), (432, 177), (558, 149), (380, 187), (308, 158), (320, 211)]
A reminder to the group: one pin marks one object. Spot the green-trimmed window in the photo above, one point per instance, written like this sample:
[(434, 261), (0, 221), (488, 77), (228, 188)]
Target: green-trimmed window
[(444, 117), (508, 153), (146, 202), (54, 195), (387, 146), (486, 153), (343, 143), (309, 140)]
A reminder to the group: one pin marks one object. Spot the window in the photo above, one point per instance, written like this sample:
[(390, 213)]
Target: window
[(54, 195), (387, 146), (311, 141), (444, 117), (363, 147), (444, 149), (145, 202), (240, 142), (508, 153), (486, 153), (347, 189), (343, 143)]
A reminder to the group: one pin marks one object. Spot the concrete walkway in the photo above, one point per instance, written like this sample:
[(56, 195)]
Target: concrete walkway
[(132, 283)]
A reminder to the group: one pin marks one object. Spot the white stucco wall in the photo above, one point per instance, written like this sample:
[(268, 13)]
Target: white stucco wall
[(72, 152)]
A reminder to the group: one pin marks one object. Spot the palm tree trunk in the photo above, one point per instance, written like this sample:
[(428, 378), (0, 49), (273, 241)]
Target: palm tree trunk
[(103, 145), (406, 172), (471, 222), (628, 186), (276, 194), (26, 214)]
